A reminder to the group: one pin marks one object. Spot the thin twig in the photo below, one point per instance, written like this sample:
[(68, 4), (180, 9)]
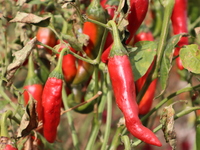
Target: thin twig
[(91, 99)]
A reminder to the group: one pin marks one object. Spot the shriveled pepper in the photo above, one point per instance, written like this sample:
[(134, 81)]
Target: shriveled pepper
[(122, 79), (147, 100), (136, 16), (179, 24), (34, 87), (51, 101), (95, 32), (46, 36)]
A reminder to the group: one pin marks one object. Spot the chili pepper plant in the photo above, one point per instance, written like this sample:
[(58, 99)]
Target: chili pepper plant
[(101, 74)]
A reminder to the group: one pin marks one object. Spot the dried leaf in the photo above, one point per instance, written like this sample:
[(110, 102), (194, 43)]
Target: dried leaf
[(29, 119), (32, 19), (20, 57), (167, 121)]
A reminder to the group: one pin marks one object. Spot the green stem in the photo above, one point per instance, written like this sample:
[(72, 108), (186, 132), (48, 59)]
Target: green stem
[(116, 138), (70, 120), (57, 72), (97, 22), (4, 128), (96, 125), (31, 68), (98, 59), (46, 46), (108, 120), (126, 141), (186, 111), (168, 8)]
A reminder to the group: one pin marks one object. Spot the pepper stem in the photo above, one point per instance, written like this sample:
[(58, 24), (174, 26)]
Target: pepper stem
[(57, 72), (4, 129), (31, 72), (117, 47)]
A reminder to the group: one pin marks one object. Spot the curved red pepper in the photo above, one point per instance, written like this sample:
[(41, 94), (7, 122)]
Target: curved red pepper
[(136, 16), (147, 100), (68, 65), (122, 79), (46, 36), (179, 24)]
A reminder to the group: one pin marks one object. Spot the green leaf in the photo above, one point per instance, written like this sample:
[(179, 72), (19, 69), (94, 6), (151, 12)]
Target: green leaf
[(166, 63), (142, 57), (190, 57)]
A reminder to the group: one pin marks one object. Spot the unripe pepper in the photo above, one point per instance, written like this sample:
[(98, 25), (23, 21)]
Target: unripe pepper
[(136, 16), (51, 101), (179, 24), (46, 36), (122, 79), (95, 32), (68, 65), (147, 100), (33, 86)]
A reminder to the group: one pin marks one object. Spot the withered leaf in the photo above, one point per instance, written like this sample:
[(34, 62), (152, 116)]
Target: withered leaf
[(22, 17), (29, 119), (20, 57), (167, 121)]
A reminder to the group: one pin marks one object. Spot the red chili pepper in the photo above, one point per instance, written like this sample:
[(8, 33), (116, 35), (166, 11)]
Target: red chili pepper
[(95, 32), (68, 65), (33, 86), (122, 80), (46, 36), (147, 100), (10, 147), (136, 16), (51, 101), (179, 24)]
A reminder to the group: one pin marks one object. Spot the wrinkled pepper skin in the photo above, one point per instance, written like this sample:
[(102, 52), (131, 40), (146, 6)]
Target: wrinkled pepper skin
[(36, 91), (137, 14), (68, 65), (147, 100), (46, 36), (95, 32), (179, 24), (51, 102), (122, 79)]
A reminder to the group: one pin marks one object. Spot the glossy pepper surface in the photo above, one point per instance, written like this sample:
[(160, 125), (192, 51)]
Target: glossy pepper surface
[(68, 65), (136, 16), (179, 24), (95, 32), (33, 86), (147, 100), (51, 101), (47, 37), (122, 79)]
